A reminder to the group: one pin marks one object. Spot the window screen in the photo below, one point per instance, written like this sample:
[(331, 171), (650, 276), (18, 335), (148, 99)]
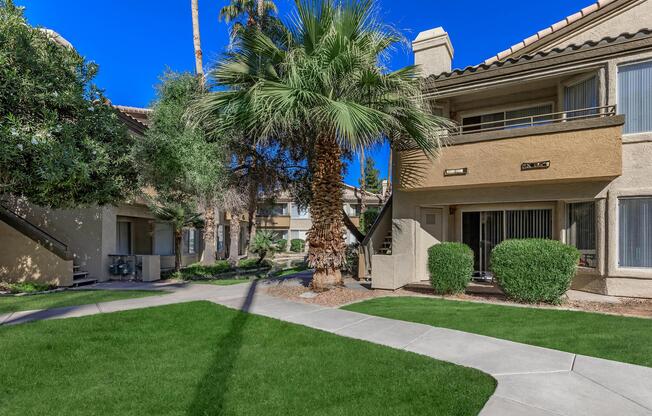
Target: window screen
[(635, 232), (580, 231), (635, 97)]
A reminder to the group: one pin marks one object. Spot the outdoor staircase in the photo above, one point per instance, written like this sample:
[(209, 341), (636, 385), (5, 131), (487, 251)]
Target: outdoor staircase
[(386, 247), (42, 237), (80, 277)]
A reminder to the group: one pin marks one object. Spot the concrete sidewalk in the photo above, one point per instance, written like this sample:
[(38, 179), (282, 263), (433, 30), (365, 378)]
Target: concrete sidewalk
[(531, 380)]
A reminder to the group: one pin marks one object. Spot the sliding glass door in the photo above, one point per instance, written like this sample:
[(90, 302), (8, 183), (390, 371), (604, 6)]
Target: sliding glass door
[(484, 230)]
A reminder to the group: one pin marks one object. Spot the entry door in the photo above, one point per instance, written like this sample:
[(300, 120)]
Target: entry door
[(431, 233)]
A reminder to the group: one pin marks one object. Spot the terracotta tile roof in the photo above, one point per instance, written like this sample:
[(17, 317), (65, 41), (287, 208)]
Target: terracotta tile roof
[(549, 30), (141, 115), (643, 33), (136, 119)]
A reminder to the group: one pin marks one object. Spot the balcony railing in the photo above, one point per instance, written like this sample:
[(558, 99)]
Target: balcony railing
[(535, 120)]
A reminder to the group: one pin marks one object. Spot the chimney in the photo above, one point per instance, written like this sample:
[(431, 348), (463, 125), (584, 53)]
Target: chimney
[(433, 52)]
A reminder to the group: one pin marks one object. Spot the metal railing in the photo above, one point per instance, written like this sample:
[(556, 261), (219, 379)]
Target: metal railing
[(34, 232), (535, 120)]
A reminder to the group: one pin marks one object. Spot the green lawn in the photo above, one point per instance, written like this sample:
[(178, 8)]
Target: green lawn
[(221, 282), (203, 359), (598, 335), (291, 271), (68, 298)]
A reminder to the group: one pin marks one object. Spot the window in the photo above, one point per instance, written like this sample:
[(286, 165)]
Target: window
[(298, 234), (635, 232), (190, 241), (353, 210), (525, 117), (300, 212), (273, 210), (581, 96), (123, 245), (580, 231), (528, 223), (635, 96), (163, 239)]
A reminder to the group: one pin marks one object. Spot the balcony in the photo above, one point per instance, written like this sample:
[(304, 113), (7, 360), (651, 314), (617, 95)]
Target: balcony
[(273, 221), (570, 146)]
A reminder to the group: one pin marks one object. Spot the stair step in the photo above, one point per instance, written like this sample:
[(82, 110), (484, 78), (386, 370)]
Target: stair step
[(79, 275), (83, 282)]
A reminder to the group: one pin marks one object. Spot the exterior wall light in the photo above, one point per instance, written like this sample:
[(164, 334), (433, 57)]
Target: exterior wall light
[(456, 172)]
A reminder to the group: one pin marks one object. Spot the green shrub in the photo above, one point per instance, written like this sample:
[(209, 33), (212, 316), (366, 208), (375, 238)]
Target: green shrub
[(202, 271), (252, 264), (352, 256), (367, 219), (450, 266), (297, 245), (282, 245), (25, 287), (534, 270)]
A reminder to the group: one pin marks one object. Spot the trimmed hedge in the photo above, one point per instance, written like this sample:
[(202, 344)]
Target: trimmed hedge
[(297, 245), (534, 270), (450, 266), (282, 245)]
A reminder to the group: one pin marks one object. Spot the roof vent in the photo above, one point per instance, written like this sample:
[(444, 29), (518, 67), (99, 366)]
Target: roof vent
[(433, 52)]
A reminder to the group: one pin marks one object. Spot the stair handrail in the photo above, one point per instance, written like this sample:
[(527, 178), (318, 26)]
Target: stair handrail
[(35, 232)]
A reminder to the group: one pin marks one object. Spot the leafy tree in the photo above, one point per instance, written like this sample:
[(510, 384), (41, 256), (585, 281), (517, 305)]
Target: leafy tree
[(61, 143), (325, 91), (176, 160), (264, 243), (372, 177), (181, 216)]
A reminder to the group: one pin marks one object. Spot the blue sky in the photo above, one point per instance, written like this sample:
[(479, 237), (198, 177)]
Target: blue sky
[(134, 41)]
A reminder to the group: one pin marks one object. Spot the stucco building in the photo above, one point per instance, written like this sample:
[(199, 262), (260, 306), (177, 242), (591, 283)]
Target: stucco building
[(554, 140)]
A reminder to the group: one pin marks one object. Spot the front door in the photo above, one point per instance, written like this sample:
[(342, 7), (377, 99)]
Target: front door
[(431, 233)]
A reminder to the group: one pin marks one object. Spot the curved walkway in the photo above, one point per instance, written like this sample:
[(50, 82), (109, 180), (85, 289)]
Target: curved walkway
[(531, 380)]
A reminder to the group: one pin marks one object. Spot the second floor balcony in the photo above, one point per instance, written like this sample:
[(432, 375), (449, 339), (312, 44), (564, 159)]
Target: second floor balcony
[(583, 144)]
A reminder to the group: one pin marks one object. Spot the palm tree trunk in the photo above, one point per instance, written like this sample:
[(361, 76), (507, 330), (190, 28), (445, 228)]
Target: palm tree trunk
[(388, 191), (326, 251), (363, 184), (196, 37), (234, 233), (210, 245), (252, 205), (178, 238)]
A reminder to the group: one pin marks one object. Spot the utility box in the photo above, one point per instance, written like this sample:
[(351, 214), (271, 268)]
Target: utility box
[(151, 268)]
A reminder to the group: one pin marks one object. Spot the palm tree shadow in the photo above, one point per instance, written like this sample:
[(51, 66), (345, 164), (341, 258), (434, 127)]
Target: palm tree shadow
[(210, 394)]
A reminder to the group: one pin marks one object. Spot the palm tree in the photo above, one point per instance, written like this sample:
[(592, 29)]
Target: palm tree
[(363, 184), (248, 13), (180, 217), (199, 65), (324, 89), (233, 202)]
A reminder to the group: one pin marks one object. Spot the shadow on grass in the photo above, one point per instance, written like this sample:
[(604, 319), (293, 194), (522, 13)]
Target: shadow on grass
[(210, 394)]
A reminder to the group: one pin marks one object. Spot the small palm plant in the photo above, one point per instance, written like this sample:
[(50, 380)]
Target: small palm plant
[(264, 243), (180, 217)]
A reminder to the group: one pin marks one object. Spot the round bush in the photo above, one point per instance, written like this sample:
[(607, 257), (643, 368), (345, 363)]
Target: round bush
[(297, 245), (534, 270), (282, 245), (450, 266)]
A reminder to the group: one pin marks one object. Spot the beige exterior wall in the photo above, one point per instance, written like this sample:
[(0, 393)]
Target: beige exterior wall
[(574, 155), (23, 259), (630, 19)]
